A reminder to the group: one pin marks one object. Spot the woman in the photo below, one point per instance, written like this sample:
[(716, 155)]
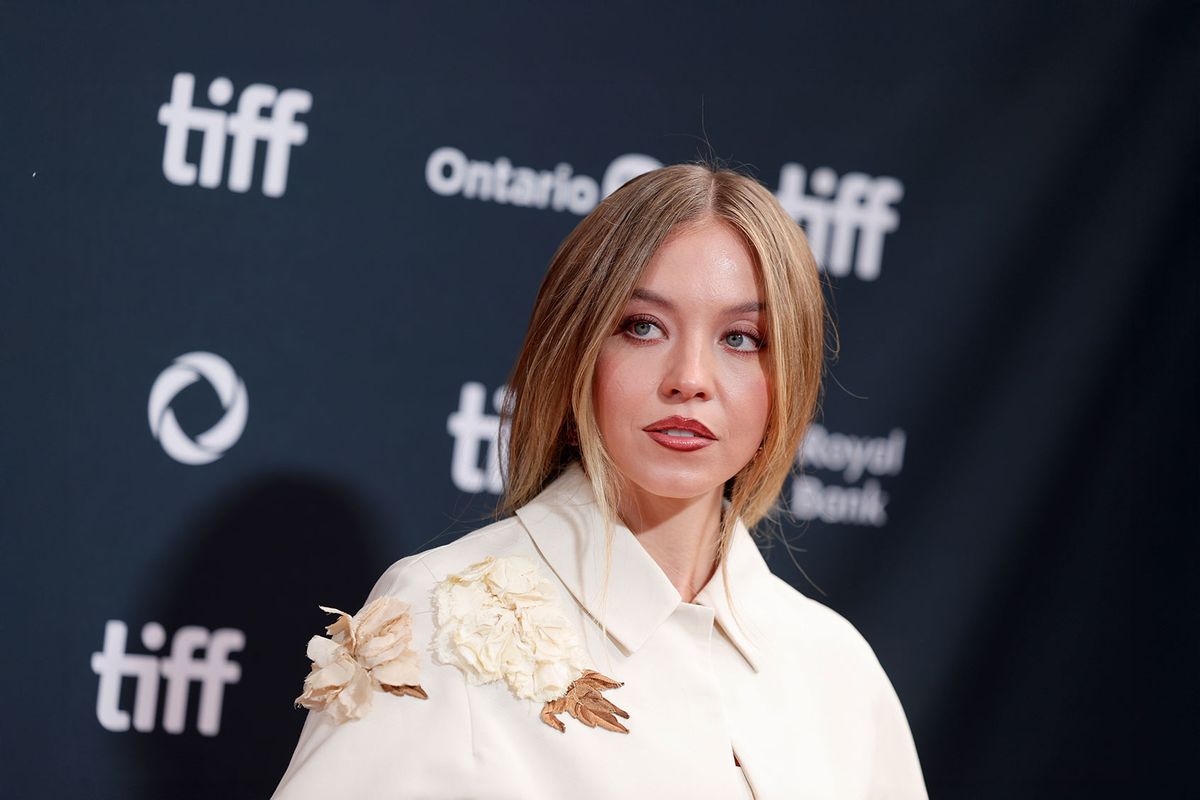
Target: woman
[(618, 634)]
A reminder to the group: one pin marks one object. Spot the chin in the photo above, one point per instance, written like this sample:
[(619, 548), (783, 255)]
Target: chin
[(675, 482)]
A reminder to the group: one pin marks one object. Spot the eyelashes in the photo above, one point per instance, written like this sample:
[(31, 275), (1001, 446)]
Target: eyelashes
[(645, 323), (639, 319)]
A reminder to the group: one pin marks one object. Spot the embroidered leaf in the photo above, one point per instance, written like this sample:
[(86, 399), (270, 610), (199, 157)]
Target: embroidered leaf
[(410, 690), (584, 702), (595, 680)]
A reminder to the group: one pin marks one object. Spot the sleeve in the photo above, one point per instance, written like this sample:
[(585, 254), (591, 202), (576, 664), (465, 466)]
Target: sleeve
[(897, 770), (404, 746)]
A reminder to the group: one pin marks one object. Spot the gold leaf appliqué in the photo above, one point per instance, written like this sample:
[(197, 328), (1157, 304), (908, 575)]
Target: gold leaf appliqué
[(405, 690), (584, 702)]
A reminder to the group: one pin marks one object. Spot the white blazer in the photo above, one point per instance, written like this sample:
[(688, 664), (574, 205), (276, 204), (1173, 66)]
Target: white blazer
[(797, 695)]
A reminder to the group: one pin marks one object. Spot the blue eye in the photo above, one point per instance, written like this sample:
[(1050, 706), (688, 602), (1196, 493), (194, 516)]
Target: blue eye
[(640, 328), (736, 340)]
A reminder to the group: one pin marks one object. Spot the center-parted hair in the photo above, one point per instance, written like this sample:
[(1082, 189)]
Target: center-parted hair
[(581, 302)]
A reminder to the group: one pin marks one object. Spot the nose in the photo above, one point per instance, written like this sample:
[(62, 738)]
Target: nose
[(689, 372)]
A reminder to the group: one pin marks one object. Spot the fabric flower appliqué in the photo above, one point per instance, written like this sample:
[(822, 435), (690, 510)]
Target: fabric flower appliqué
[(498, 620), (368, 651)]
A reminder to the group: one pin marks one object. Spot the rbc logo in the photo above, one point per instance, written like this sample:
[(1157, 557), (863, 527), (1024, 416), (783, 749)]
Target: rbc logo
[(180, 669), (247, 127), (212, 444)]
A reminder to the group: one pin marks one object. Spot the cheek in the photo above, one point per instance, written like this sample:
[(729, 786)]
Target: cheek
[(749, 393), (614, 390)]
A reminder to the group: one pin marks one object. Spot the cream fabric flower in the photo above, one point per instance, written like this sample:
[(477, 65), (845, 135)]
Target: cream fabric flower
[(370, 650), (498, 620)]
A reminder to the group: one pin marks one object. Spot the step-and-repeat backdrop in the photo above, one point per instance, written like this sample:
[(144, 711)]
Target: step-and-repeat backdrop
[(265, 268)]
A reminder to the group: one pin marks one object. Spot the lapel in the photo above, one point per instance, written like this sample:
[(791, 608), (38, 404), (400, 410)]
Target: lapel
[(566, 524)]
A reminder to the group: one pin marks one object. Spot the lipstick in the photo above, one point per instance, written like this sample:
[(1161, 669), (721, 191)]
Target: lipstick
[(682, 434)]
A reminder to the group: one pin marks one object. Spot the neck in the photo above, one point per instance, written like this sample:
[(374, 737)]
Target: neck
[(681, 535)]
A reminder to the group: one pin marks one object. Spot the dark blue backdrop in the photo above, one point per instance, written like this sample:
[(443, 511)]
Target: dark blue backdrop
[(291, 279)]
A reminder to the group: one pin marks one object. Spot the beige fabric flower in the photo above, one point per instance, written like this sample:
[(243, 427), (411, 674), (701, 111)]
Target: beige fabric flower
[(370, 650), (498, 620), (337, 683)]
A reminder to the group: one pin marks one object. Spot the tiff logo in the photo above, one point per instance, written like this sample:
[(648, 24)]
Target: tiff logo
[(280, 131), (839, 211), (473, 428), (180, 669)]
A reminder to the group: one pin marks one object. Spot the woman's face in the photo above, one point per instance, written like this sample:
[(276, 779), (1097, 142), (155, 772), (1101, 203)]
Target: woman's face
[(687, 346)]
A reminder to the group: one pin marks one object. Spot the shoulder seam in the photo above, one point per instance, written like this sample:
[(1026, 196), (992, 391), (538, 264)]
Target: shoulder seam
[(461, 677), (487, 530)]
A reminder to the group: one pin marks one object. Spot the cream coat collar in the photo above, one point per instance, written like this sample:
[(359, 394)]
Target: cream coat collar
[(566, 525)]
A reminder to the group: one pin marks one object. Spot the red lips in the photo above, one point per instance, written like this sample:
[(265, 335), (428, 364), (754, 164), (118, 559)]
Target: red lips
[(681, 423)]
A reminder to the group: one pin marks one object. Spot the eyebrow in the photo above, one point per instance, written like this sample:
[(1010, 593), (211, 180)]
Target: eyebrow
[(658, 299)]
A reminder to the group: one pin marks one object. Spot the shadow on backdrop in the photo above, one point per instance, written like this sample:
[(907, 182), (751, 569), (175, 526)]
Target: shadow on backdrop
[(261, 560)]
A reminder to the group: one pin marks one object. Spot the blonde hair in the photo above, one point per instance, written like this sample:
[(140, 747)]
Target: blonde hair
[(586, 288)]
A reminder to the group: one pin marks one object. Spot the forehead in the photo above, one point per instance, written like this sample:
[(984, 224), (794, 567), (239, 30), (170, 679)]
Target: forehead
[(706, 260)]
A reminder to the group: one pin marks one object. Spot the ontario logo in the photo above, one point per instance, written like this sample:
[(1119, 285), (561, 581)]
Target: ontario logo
[(846, 217)]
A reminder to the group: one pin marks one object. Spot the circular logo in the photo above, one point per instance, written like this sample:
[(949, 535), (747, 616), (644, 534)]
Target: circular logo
[(212, 444)]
